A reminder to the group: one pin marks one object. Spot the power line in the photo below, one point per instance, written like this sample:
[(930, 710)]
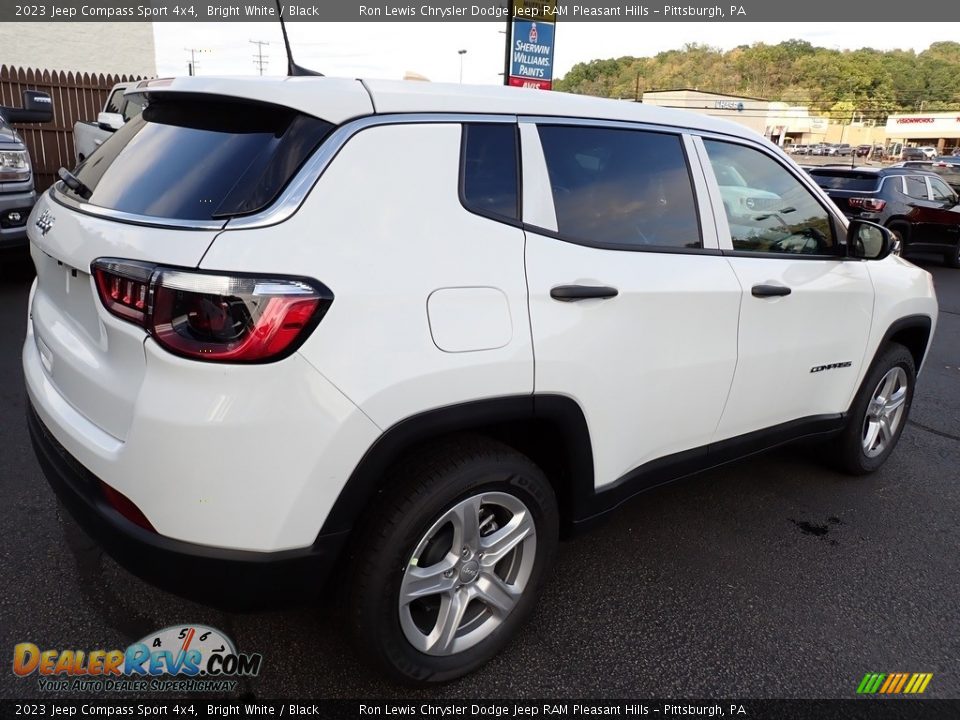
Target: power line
[(192, 64), (258, 60)]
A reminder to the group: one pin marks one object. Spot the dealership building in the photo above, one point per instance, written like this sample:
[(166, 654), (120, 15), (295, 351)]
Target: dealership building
[(780, 122), (941, 130)]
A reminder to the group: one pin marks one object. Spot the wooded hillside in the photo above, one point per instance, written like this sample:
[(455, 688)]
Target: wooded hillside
[(830, 82)]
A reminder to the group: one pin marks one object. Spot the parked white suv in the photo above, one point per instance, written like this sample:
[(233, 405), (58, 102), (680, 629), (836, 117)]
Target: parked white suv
[(411, 333)]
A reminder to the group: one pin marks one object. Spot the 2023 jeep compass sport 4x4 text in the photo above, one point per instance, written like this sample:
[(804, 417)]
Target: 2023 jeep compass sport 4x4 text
[(416, 332)]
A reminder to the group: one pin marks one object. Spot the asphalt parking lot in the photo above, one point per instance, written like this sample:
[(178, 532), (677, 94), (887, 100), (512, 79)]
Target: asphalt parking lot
[(774, 577)]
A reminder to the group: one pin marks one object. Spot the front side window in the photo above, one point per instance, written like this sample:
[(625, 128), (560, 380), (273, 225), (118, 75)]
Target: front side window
[(768, 209), (616, 188), (941, 191)]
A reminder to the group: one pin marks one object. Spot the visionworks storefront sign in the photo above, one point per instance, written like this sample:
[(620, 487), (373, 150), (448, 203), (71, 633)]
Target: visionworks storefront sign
[(929, 125)]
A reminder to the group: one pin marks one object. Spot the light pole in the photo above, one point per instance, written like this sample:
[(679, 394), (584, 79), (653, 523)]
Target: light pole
[(461, 53)]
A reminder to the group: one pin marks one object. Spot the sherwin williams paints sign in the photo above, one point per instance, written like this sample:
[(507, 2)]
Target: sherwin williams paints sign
[(530, 53)]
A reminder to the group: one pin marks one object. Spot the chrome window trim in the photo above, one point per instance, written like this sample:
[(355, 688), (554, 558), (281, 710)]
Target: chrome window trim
[(618, 124), (296, 191), (59, 196)]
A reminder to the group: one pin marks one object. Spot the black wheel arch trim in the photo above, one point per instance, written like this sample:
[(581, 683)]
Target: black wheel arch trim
[(907, 322), (580, 501), (366, 480)]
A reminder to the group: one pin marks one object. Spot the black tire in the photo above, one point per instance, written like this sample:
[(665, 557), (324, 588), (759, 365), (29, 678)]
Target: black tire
[(422, 489), (900, 229), (849, 452), (952, 258)]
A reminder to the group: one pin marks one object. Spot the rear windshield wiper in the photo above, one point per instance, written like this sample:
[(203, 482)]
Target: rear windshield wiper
[(74, 183)]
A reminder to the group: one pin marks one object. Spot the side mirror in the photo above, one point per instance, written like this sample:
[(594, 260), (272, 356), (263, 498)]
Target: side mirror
[(869, 241), (37, 108), (110, 121)]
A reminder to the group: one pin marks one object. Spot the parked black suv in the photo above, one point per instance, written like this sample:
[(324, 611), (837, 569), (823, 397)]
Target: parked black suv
[(920, 208), (17, 195)]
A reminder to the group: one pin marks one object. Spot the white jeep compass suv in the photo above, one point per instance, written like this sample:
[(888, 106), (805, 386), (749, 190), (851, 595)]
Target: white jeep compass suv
[(412, 333)]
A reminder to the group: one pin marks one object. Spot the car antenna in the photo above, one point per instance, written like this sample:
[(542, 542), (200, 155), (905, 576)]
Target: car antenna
[(293, 69)]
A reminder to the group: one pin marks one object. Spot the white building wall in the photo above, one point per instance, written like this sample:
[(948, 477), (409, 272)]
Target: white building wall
[(749, 112), (94, 47)]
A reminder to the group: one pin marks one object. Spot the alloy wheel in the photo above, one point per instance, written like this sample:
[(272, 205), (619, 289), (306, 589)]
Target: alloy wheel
[(467, 573), (885, 412)]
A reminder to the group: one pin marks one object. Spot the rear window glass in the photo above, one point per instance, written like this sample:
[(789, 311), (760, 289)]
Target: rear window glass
[(200, 159), (832, 180)]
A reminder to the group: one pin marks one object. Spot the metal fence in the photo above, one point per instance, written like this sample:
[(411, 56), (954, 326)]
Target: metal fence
[(76, 96)]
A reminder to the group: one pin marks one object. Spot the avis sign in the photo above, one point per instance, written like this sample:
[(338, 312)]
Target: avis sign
[(531, 49)]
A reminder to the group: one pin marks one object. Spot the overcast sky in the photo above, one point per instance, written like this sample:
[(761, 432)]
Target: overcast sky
[(388, 50)]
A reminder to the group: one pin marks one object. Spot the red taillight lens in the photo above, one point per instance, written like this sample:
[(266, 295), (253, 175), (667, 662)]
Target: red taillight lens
[(124, 288), (871, 204), (220, 318)]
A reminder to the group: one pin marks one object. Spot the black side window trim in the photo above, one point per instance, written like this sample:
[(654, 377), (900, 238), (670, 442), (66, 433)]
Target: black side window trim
[(679, 133), (807, 182), (516, 222)]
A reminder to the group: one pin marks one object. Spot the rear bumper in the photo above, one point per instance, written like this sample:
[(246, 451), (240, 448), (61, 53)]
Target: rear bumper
[(235, 579)]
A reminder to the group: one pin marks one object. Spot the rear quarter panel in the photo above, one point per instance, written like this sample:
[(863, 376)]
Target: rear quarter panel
[(385, 231)]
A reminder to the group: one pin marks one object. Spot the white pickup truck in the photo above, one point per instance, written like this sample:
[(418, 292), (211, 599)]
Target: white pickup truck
[(88, 136)]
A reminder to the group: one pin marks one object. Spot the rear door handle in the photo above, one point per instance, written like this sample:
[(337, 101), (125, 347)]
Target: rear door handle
[(769, 290), (572, 293)]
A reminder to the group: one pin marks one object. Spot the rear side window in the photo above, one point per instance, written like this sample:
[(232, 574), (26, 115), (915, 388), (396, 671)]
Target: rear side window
[(916, 187), (833, 180), (489, 176), (200, 158), (620, 188)]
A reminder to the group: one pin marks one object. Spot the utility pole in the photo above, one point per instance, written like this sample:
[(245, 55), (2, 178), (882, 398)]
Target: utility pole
[(258, 59), (192, 64)]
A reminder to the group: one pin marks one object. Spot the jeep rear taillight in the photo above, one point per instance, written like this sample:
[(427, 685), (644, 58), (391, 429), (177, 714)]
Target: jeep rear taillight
[(871, 204), (212, 316), (124, 288)]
